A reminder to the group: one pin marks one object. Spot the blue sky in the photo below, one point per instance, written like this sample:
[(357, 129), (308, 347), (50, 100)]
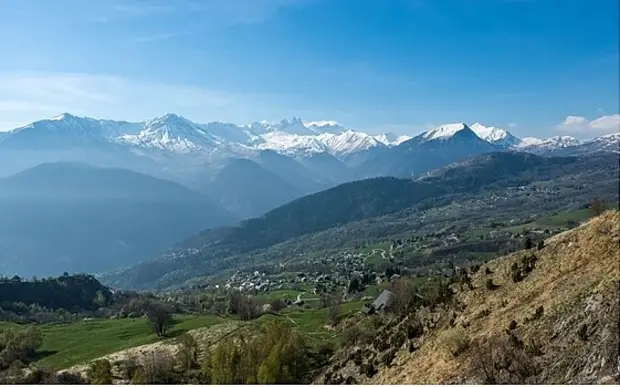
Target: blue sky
[(538, 67)]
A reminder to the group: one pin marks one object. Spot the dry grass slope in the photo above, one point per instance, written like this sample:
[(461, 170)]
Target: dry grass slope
[(573, 338)]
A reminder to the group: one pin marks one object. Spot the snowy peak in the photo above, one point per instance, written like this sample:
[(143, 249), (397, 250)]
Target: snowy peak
[(174, 133), (349, 142), (63, 116), (494, 135), (292, 144), (321, 127), (533, 143), (294, 126), (293, 137), (563, 141), (444, 131), (391, 139)]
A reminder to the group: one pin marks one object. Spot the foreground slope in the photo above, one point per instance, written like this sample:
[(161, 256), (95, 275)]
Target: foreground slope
[(558, 324)]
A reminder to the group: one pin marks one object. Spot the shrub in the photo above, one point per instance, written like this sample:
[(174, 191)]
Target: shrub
[(100, 372), (597, 207), (490, 285), (455, 341), (541, 245), (495, 361), (188, 352), (539, 312), (139, 377), (512, 325), (533, 347), (388, 357), (582, 332), (333, 311), (369, 370), (414, 330), (277, 305)]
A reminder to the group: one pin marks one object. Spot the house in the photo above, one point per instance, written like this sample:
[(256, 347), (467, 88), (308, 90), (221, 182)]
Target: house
[(383, 301)]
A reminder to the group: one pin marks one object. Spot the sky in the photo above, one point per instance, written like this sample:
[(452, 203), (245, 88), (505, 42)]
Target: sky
[(536, 67)]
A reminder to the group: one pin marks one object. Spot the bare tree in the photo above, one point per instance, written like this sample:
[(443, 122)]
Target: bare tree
[(160, 317), (597, 207), (403, 295), (333, 313)]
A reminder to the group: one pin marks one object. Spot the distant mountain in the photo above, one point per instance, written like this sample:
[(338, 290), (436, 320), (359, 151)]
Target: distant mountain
[(608, 143), (509, 168), (175, 148), (391, 139), (537, 145), (248, 190), (332, 170), (174, 133), (67, 131), (291, 170), (331, 127), (77, 218), (494, 135), (433, 149)]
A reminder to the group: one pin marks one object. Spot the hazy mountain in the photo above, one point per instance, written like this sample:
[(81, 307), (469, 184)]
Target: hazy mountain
[(248, 190), (74, 217), (291, 170), (332, 170)]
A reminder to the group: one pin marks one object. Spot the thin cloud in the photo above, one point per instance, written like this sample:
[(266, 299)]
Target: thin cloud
[(581, 125), (153, 38), (512, 125), (143, 8), (229, 12), (27, 97)]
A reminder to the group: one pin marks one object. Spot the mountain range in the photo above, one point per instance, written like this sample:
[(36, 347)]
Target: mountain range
[(161, 142), (97, 195)]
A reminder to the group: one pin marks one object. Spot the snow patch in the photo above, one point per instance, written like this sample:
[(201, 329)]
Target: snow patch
[(444, 131)]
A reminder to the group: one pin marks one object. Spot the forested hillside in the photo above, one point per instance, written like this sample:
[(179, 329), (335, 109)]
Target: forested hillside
[(312, 215)]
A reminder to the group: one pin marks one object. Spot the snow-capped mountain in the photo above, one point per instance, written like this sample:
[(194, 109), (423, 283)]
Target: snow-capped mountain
[(349, 142), (292, 144), (443, 132), (495, 135), (390, 139), (172, 133), (435, 148), (319, 127), (537, 145), (294, 126), (65, 131)]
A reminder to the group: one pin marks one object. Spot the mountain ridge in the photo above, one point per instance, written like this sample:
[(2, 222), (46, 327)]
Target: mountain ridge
[(177, 134)]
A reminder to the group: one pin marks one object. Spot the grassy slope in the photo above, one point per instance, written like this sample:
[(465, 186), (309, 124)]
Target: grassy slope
[(574, 280), (558, 220), (71, 344), (65, 345)]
